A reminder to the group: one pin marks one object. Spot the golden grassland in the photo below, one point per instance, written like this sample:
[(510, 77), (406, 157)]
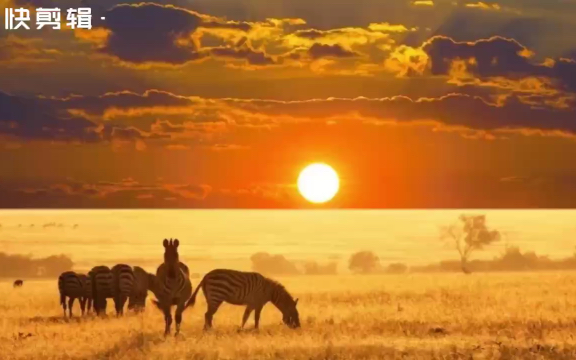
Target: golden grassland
[(448, 316)]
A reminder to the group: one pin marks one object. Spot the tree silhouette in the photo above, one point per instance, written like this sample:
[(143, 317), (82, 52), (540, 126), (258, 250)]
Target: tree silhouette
[(363, 262), (468, 235)]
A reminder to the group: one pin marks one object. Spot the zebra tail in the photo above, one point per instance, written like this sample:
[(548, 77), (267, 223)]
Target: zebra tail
[(192, 299)]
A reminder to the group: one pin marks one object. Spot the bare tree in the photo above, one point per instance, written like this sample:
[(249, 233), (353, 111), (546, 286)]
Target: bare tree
[(468, 235)]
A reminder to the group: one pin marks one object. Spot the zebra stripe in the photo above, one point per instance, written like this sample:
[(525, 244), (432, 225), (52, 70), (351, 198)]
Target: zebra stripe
[(123, 279), (88, 293), (142, 283), (245, 288), (102, 287), (86, 299), (71, 286), (172, 285)]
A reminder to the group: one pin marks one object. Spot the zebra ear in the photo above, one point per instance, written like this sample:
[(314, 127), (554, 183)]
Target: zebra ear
[(165, 242), (176, 243), (296, 302)]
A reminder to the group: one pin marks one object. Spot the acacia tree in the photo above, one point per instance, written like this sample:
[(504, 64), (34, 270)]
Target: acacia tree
[(468, 235), (363, 262)]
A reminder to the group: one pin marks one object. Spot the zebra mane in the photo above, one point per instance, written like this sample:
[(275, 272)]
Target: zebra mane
[(280, 287)]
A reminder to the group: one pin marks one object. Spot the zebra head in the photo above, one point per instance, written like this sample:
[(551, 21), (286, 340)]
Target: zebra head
[(290, 315), (137, 301), (171, 258)]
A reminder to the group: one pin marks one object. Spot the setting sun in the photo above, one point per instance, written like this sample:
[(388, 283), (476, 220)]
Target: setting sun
[(318, 183)]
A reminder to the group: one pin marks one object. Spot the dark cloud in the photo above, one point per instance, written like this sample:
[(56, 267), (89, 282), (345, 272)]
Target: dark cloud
[(30, 119), (497, 56), (98, 105), (454, 110), (311, 34), (124, 193), (460, 110), (252, 57), (37, 119), (317, 51), (149, 32)]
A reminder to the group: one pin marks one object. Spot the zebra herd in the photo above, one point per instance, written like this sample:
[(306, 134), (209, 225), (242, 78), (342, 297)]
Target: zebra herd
[(120, 283), (171, 286)]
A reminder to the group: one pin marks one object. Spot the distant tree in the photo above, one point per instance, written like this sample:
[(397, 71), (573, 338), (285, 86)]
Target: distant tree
[(313, 268), (469, 235), (272, 264), (397, 268), (364, 262), (26, 266)]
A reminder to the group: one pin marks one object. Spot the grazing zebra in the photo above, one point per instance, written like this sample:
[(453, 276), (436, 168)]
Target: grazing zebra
[(70, 285), (102, 287), (87, 286), (18, 283), (245, 288), (123, 282), (143, 281), (86, 299), (173, 286)]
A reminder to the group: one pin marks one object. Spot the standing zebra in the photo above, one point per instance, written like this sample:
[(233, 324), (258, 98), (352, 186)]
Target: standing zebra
[(70, 285), (173, 286), (143, 281), (87, 285), (102, 287), (245, 288), (18, 283), (86, 298), (123, 282)]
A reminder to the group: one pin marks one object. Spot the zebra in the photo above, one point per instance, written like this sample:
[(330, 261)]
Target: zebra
[(143, 281), (123, 282), (86, 298), (18, 283), (101, 280), (70, 285), (172, 285), (245, 288), (87, 286)]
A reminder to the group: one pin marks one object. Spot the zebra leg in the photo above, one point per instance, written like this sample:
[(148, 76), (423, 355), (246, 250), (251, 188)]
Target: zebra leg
[(83, 305), (119, 304), (178, 316), (63, 302), (257, 316), (167, 318), (123, 300), (212, 308), (70, 304), (89, 305), (247, 313)]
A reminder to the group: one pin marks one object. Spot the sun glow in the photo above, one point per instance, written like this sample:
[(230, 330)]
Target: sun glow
[(318, 183)]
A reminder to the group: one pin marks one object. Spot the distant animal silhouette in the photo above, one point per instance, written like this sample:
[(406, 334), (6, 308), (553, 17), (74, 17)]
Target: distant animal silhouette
[(70, 286), (18, 283), (102, 282), (173, 286), (123, 282), (22, 336), (143, 281), (245, 288)]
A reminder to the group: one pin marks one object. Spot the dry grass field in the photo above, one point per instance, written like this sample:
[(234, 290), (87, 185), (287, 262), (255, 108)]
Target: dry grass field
[(482, 316)]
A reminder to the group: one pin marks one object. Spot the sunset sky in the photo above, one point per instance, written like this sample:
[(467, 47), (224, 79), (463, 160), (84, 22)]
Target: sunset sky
[(221, 103)]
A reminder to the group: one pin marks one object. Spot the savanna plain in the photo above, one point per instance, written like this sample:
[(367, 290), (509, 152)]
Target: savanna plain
[(410, 316)]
